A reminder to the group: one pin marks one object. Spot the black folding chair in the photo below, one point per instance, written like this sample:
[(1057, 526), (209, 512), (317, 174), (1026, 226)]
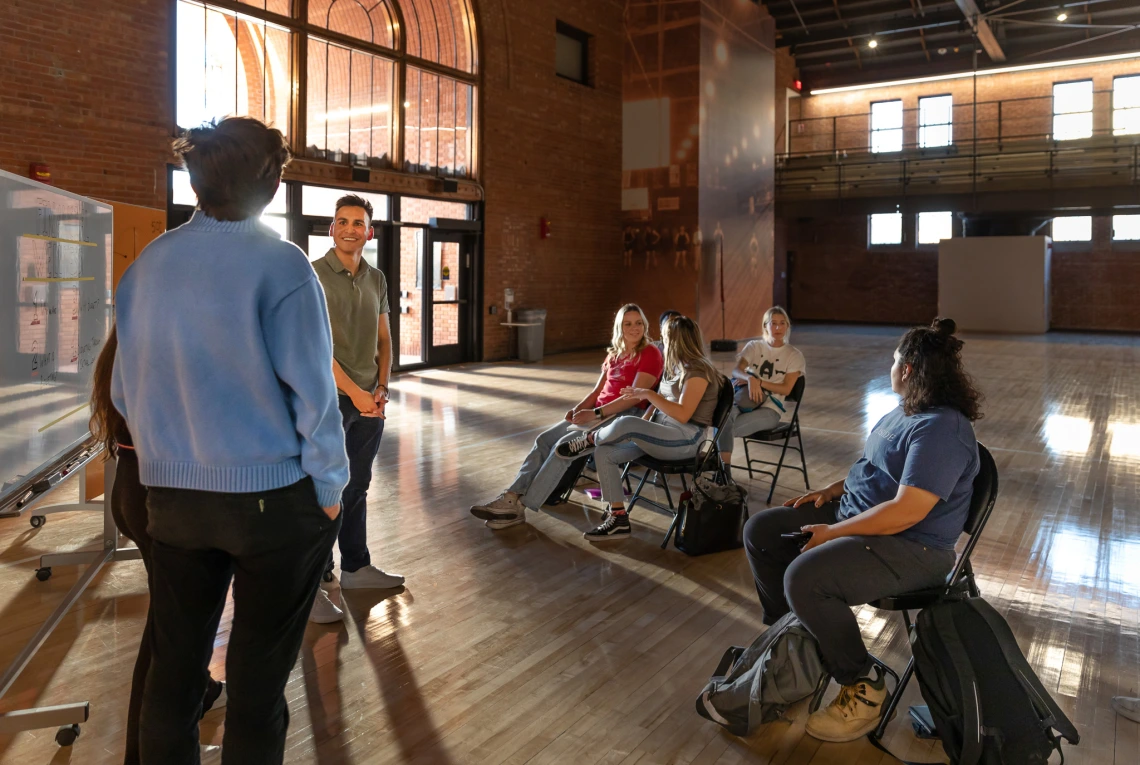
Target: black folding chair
[(958, 583), (781, 437), (705, 460)]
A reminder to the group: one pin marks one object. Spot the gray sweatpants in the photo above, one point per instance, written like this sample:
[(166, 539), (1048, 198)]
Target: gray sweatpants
[(822, 584)]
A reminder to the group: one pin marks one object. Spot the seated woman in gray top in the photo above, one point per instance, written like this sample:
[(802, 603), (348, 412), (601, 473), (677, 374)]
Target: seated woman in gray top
[(889, 527), (678, 421)]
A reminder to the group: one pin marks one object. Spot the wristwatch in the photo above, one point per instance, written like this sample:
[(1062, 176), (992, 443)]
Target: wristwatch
[(598, 412)]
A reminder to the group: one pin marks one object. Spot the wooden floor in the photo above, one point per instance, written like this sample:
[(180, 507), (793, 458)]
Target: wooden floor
[(532, 646)]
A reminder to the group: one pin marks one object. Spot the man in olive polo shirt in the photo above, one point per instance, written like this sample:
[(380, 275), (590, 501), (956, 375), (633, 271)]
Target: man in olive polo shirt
[(357, 297)]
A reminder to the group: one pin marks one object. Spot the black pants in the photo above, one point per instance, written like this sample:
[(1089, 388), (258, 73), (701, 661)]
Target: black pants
[(128, 508), (274, 546), (362, 442), (822, 584)]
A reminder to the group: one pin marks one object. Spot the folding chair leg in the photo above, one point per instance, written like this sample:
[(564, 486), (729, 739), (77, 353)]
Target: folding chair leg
[(894, 699), (779, 465), (803, 459), (747, 458), (625, 477), (668, 494), (672, 528), (637, 494)]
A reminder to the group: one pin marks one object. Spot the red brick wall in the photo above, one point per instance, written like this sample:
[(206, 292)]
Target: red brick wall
[(1094, 284), (551, 148), (835, 276), (84, 88)]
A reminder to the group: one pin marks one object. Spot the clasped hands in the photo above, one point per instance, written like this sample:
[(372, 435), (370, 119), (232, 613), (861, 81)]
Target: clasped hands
[(820, 532)]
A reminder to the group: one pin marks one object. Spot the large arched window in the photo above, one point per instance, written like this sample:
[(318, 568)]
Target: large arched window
[(375, 83)]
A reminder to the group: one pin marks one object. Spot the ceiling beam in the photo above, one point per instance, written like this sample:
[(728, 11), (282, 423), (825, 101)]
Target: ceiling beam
[(982, 30)]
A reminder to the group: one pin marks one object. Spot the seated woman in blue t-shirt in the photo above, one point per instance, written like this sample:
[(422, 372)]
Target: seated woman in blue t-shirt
[(889, 527)]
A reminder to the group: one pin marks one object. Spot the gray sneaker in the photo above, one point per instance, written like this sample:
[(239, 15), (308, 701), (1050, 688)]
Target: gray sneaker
[(502, 508), (324, 611)]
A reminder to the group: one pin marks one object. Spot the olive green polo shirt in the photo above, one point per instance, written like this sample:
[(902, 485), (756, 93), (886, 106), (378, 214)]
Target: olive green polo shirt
[(356, 304)]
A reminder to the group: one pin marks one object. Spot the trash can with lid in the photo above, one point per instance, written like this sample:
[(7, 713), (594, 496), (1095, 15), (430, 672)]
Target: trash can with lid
[(531, 338)]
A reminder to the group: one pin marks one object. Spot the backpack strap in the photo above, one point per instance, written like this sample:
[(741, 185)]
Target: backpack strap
[(967, 684), (1054, 717)]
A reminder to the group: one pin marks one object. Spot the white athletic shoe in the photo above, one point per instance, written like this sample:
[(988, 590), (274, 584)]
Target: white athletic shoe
[(324, 611), (369, 578), (505, 523), (502, 508), (1127, 707)]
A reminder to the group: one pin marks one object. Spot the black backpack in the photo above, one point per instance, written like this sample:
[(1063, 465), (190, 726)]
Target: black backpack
[(988, 706)]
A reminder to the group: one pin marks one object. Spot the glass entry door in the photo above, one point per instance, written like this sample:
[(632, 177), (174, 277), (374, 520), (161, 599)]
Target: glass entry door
[(447, 262)]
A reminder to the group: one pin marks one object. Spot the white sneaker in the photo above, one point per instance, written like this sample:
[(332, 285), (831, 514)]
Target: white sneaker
[(369, 578), (324, 611), (1127, 707), (502, 508), (505, 523), (854, 713)]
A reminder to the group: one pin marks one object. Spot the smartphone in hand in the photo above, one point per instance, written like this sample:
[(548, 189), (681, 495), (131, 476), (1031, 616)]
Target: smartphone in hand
[(801, 538)]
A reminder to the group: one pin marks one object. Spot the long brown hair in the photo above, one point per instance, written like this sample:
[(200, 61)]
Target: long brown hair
[(937, 377), (107, 425), (685, 351)]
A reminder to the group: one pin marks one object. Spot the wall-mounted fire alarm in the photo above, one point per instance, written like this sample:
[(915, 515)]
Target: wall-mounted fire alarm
[(38, 171)]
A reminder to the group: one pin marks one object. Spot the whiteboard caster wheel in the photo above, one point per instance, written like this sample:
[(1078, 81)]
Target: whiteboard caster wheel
[(67, 734), (38, 520), (43, 574)]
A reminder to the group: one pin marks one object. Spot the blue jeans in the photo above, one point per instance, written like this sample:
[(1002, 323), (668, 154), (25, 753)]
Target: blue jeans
[(362, 442), (741, 423), (628, 438), (542, 469)]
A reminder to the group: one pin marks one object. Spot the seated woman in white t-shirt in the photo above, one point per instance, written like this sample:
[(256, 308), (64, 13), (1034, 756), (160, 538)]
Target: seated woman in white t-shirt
[(765, 373)]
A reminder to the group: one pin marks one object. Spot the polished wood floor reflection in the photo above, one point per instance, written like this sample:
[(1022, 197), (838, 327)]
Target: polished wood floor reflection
[(532, 646)]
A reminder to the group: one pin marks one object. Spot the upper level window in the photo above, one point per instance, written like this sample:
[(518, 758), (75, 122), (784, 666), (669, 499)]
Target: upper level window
[(572, 53), (886, 126), (885, 228), (1125, 227), (1072, 228), (1072, 110), (1126, 105), (935, 121), (933, 227), (351, 100)]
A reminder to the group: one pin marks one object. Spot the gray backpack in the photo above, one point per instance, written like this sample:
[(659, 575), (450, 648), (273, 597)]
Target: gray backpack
[(755, 685)]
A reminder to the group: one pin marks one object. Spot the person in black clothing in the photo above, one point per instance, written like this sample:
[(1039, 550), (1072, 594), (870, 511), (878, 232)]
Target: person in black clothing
[(128, 508)]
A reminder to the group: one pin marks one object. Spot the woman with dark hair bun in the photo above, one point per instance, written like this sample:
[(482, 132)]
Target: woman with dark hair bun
[(889, 527)]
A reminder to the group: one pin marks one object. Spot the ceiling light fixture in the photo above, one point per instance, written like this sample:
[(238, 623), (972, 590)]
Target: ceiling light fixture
[(981, 73), (1062, 16), (873, 44)]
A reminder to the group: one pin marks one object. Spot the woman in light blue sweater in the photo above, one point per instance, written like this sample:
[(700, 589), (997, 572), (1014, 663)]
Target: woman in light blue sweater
[(224, 377)]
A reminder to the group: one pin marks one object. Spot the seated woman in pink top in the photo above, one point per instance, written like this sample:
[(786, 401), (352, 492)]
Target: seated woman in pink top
[(631, 362)]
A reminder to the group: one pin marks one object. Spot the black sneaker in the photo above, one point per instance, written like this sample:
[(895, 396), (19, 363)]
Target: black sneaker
[(614, 526), (573, 448)]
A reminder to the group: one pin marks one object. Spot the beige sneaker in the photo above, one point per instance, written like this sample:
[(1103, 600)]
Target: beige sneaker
[(505, 507), (855, 712)]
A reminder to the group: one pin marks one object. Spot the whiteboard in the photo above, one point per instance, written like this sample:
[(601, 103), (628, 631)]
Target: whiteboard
[(55, 313)]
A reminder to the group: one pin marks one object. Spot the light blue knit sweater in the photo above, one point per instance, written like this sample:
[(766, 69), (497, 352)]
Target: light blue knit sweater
[(224, 367)]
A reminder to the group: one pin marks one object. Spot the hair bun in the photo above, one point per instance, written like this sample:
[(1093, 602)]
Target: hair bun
[(944, 326)]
